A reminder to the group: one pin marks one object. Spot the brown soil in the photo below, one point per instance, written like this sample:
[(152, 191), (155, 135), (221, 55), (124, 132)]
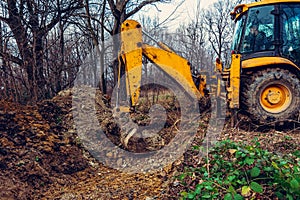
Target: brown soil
[(42, 157)]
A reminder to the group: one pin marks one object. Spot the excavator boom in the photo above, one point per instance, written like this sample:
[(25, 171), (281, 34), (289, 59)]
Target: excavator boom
[(132, 51)]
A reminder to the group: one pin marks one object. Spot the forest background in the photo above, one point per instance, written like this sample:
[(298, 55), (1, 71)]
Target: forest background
[(45, 45)]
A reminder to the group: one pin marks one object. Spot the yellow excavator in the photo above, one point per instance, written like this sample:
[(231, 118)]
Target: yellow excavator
[(263, 77)]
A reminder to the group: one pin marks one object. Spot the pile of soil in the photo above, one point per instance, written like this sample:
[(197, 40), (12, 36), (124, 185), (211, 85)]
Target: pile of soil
[(41, 156), (35, 153)]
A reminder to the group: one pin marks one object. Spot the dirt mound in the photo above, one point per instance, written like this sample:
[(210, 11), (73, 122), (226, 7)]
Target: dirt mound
[(41, 156), (34, 151)]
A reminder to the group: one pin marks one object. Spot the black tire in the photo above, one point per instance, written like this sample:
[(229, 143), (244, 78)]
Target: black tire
[(270, 95)]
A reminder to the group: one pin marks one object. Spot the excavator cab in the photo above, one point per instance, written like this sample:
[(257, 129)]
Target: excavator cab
[(278, 26), (263, 78)]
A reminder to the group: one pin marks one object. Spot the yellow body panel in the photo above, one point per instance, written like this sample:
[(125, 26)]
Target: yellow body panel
[(264, 61), (233, 91), (131, 52), (174, 65), (238, 10)]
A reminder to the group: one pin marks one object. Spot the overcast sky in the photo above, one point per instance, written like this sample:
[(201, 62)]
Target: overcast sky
[(184, 13)]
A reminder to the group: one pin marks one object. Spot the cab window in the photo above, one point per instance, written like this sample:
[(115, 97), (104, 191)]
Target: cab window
[(291, 31), (259, 32)]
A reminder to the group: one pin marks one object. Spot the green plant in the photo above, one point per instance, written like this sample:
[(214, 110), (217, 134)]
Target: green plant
[(58, 120), (37, 159), (235, 171)]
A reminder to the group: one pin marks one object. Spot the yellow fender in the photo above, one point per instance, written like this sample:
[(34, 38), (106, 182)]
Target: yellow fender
[(264, 61)]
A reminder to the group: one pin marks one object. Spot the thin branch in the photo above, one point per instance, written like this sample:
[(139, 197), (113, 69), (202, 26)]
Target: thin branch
[(174, 11), (4, 19), (140, 6)]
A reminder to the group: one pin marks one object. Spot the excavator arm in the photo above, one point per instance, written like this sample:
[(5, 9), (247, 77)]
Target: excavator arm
[(132, 51)]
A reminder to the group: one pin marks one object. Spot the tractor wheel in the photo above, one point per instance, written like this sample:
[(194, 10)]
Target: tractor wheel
[(271, 95)]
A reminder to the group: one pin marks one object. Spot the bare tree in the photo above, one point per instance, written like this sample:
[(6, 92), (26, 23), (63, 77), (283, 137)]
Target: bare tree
[(122, 10), (95, 21), (29, 23), (219, 26), (195, 44), (103, 19)]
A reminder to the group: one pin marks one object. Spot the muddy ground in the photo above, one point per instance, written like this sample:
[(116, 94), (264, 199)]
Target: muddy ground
[(42, 156)]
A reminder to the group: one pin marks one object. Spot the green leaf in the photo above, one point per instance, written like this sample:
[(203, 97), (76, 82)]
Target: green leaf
[(209, 187), (249, 161), (191, 195), (268, 169), (296, 153), (279, 195), (198, 189), (231, 189), (238, 197), (37, 159), (246, 190), (182, 176), (289, 197), (256, 187), (206, 196), (255, 171), (275, 165), (283, 162), (228, 197), (297, 177), (184, 194), (231, 178), (196, 147), (242, 181), (296, 169), (294, 184)]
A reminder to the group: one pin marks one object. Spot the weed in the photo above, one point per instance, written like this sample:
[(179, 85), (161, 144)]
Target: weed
[(37, 159), (238, 171)]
